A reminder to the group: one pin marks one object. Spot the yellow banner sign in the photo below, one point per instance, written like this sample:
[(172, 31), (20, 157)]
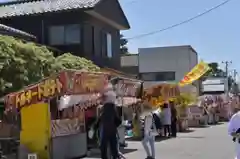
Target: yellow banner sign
[(199, 70)]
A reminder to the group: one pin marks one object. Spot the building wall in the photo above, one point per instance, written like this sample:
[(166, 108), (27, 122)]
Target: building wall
[(179, 59), (91, 29), (129, 64)]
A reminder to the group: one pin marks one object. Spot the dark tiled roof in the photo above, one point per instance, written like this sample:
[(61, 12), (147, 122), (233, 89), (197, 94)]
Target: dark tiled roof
[(15, 31), (44, 6)]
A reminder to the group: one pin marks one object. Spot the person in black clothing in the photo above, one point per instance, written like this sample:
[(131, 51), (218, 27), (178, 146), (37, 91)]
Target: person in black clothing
[(107, 125), (174, 119)]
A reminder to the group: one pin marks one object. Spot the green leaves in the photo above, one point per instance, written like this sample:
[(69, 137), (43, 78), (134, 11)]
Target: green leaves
[(69, 61), (123, 45), (23, 63)]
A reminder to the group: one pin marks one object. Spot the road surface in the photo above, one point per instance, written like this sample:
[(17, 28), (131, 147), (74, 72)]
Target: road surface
[(203, 143)]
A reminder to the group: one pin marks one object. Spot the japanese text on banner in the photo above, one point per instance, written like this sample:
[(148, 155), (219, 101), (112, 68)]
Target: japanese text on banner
[(199, 70), (46, 89)]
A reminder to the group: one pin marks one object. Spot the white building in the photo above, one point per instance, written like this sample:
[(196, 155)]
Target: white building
[(166, 64), (129, 64), (215, 86)]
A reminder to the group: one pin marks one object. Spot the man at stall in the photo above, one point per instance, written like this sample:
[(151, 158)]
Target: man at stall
[(107, 124), (174, 119)]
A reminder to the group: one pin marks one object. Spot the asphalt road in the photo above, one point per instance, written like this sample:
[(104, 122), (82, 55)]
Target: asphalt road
[(202, 143)]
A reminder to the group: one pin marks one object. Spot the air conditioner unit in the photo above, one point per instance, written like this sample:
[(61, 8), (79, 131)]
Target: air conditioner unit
[(32, 156)]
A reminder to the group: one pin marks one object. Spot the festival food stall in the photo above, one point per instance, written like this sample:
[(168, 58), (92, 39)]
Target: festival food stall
[(129, 92), (195, 115), (159, 94), (208, 107), (212, 103), (184, 103), (52, 113)]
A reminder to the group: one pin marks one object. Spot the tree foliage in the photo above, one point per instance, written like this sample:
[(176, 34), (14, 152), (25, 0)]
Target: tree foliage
[(23, 63), (123, 45), (184, 99), (215, 71), (69, 61)]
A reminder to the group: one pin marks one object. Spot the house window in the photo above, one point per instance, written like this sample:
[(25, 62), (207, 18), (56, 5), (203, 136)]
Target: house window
[(109, 45), (158, 76), (56, 35), (106, 44), (72, 34), (65, 35)]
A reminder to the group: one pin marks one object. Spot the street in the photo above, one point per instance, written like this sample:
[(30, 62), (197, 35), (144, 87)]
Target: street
[(201, 143)]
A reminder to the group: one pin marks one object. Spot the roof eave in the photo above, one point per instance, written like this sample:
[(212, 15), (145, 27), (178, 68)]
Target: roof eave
[(47, 12), (106, 20)]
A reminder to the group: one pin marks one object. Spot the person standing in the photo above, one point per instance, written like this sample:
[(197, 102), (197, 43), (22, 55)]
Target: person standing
[(173, 119), (107, 124), (149, 136), (166, 119), (234, 131), (136, 126), (205, 114)]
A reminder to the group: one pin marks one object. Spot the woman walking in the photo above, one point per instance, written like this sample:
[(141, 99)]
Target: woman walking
[(149, 136)]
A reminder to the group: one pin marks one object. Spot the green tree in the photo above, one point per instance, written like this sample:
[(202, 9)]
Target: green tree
[(23, 63), (215, 71), (69, 61), (123, 45)]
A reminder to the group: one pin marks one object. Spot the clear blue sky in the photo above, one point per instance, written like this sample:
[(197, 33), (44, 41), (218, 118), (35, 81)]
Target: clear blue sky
[(215, 36)]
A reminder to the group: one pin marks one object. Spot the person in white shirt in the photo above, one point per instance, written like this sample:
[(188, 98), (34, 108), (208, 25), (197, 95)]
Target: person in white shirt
[(167, 119), (233, 130), (149, 136)]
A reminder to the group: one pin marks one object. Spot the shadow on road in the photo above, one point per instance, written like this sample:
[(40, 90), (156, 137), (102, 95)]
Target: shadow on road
[(187, 131), (201, 126), (191, 137), (126, 150), (157, 139), (97, 154), (161, 138)]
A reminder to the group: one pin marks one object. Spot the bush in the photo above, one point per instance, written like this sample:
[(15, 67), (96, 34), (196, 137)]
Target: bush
[(24, 63)]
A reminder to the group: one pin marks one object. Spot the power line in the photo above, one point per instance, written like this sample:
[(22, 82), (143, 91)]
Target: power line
[(180, 23), (130, 2)]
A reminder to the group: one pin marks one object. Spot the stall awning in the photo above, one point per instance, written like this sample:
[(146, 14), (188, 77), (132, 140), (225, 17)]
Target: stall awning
[(83, 101)]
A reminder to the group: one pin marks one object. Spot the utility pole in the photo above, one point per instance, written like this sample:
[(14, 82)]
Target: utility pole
[(226, 63)]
